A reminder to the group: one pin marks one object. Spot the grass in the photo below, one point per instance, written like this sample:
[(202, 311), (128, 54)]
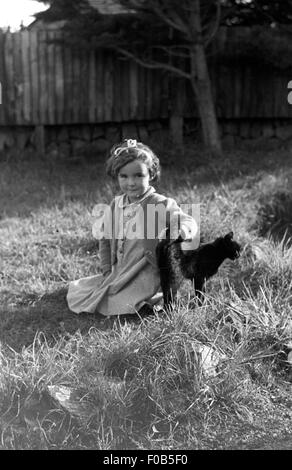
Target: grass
[(75, 382)]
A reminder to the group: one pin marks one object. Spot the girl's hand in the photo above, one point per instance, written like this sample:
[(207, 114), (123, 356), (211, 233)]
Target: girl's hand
[(162, 235), (185, 234)]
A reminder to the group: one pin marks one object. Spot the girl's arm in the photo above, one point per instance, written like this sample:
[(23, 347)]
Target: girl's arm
[(182, 224)]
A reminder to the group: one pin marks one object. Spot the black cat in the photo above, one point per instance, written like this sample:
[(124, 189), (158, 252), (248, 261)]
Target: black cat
[(197, 265)]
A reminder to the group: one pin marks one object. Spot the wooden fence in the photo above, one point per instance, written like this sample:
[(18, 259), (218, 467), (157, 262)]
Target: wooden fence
[(45, 83)]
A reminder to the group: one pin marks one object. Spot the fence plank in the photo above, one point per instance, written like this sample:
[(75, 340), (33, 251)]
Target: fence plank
[(141, 93), (52, 84), (231, 92), (84, 87), (108, 78), (216, 77), (262, 97), (133, 90), (148, 92), (2, 80), (68, 84), (99, 87), (59, 81), (92, 88), (268, 98), (43, 77), (156, 93), (51, 77), (75, 86), (26, 78), (18, 78), (124, 91), (117, 112), (225, 91), (34, 75), (253, 95), (9, 68), (246, 81), (237, 92)]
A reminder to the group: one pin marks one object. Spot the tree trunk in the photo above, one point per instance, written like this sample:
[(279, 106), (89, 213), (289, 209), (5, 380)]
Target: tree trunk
[(202, 89), (201, 85)]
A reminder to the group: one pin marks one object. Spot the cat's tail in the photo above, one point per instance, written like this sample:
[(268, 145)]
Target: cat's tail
[(162, 253)]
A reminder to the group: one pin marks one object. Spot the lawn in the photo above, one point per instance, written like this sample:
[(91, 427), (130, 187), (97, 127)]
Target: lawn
[(76, 382)]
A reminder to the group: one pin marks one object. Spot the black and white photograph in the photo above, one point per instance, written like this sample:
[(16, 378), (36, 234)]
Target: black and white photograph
[(146, 228)]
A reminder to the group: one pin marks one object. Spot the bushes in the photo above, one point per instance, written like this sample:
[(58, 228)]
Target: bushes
[(275, 216)]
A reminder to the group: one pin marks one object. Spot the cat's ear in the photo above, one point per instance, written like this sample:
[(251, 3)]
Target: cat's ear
[(229, 236)]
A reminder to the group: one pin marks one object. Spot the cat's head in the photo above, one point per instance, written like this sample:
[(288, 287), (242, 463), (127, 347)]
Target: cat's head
[(231, 247)]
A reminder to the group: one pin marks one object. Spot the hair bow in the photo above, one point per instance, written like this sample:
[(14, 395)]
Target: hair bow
[(131, 142)]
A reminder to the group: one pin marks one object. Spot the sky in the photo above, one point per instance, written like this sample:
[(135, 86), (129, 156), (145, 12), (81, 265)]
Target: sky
[(13, 12)]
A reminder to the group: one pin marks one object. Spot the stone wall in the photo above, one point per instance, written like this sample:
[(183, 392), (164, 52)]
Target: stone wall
[(78, 140), (73, 140)]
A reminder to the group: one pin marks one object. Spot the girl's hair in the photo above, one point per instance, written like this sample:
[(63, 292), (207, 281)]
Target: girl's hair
[(128, 151)]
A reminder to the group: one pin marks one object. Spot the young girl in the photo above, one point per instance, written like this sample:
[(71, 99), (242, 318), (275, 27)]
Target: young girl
[(132, 226)]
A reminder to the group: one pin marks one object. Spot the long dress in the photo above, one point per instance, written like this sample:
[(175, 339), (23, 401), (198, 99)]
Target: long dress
[(132, 282)]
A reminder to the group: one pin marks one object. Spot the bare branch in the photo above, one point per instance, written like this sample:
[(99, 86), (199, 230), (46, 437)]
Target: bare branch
[(171, 19), (216, 24), (174, 50), (162, 11), (153, 65)]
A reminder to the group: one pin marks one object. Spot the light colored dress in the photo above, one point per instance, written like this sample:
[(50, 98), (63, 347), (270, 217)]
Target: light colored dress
[(132, 283)]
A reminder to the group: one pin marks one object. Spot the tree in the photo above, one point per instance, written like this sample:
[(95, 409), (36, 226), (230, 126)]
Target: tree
[(158, 34), (181, 29), (167, 34)]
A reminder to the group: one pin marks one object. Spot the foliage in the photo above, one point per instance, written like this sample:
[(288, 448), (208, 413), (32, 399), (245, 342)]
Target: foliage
[(274, 216), (234, 12), (151, 23), (268, 41), (147, 26), (257, 12)]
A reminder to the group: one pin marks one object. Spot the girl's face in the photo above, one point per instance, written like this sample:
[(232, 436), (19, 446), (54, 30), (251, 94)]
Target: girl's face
[(134, 179)]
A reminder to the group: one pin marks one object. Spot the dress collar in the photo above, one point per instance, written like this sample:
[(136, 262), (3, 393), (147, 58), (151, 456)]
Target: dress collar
[(124, 201)]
